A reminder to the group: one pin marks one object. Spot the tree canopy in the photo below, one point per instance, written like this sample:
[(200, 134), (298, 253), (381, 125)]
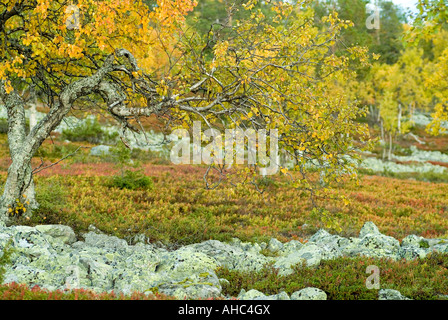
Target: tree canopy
[(262, 72)]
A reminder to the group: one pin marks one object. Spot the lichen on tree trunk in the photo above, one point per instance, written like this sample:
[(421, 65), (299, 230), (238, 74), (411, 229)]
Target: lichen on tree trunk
[(19, 183), (19, 186)]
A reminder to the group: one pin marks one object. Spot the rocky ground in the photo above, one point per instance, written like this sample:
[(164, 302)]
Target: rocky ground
[(52, 257)]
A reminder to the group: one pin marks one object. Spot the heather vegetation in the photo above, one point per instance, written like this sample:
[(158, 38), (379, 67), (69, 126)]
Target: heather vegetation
[(339, 93)]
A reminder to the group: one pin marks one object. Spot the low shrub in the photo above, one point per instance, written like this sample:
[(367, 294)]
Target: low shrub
[(4, 126), (90, 131), (132, 180), (15, 291), (344, 278)]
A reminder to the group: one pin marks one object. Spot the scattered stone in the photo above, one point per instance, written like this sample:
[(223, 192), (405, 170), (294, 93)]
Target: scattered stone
[(379, 242), (100, 150), (413, 241), (275, 245), (369, 228), (309, 253), (250, 295), (390, 294), (410, 253), (279, 296), (92, 228), (309, 293), (51, 257), (93, 239), (290, 247), (58, 232)]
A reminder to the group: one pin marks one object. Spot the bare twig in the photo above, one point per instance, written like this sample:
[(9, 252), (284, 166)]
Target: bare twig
[(42, 167)]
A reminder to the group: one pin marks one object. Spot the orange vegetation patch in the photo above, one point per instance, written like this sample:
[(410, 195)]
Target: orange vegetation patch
[(437, 163), (181, 209)]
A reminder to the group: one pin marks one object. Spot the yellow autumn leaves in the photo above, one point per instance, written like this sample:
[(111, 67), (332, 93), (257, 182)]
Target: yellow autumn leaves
[(103, 27), (19, 208)]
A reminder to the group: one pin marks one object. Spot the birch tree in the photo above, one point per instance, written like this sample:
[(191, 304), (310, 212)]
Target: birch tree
[(261, 73)]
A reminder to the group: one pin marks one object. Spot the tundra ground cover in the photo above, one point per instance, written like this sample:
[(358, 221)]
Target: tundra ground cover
[(180, 210), (344, 278), (16, 291)]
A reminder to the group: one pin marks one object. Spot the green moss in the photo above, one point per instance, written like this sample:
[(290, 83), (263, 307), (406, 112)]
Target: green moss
[(424, 244), (153, 290), (204, 274)]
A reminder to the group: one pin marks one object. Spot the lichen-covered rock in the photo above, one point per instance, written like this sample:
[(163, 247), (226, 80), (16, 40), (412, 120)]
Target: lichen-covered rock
[(100, 150), (331, 245), (436, 242), (250, 295), (203, 285), (232, 257), (410, 253), (349, 246), (127, 280), (222, 252), (368, 228), (141, 257), (378, 165), (440, 247), (321, 236), (49, 257), (29, 275), (379, 242), (99, 274), (194, 291), (187, 261), (309, 253), (274, 245), (330, 252), (414, 241), (375, 244), (309, 293), (279, 296), (93, 239), (60, 233), (27, 237), (249, 247), (250, 262), (290, 246), (390, 294)]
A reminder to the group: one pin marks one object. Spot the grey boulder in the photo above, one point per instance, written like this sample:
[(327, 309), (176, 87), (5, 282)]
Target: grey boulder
[(309, 293)]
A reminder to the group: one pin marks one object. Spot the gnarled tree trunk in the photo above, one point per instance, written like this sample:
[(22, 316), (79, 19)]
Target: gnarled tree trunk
[(19, 182), (22, 147)]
